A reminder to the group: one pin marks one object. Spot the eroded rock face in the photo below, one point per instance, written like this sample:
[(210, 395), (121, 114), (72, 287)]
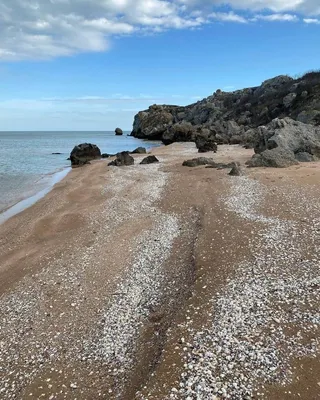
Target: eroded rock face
[(122, 159), (150, 160), (284, 142), (232, 117), (84, 153), (153, 123), (181, 132)]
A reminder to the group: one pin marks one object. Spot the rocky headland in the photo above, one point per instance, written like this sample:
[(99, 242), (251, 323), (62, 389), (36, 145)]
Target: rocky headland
[(282, 113)]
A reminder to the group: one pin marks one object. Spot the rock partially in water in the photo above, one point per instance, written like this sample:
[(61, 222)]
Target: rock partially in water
[(83, 153), (122, 159), (150, 160), (118, 131)]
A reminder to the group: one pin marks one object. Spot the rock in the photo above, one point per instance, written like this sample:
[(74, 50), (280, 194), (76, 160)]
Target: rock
[(150, 160), (118, 131), (283, 142), (122, 159), (276, 158), (305, 157), (273, 84), (83, 153), (195, 162), (236, 170), (309, 117), (153, 123), (229, 115), (289, 99), (181, 132), (139, 150), (205, 144), (55, 153), (220, 165), (106, 155)]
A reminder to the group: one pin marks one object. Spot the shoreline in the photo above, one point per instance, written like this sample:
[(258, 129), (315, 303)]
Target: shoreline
[(24, 203), (107, 282)]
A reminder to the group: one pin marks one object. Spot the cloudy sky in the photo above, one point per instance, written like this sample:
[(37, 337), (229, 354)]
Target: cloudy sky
[(92, 64)]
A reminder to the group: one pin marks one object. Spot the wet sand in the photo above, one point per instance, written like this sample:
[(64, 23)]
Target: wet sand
[(117, 284)]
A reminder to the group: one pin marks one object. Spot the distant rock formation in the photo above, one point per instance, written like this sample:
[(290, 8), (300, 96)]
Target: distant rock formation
[(232, 117), (84, 153), (118, 132)]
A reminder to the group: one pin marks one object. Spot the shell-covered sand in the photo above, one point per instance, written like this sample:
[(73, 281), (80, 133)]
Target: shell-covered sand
[(164, 282)]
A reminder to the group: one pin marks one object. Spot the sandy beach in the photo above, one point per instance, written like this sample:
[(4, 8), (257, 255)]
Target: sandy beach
[(164, 282)]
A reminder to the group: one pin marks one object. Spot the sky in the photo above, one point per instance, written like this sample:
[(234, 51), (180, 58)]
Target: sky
[(93, 64)]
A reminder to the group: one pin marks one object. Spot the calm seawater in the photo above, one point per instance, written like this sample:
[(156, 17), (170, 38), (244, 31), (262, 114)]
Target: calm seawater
[(27, 164)]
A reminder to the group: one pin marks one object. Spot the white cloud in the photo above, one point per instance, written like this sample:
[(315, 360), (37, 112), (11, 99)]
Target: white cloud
[(311, 21), (39, 29), (275, 17), (228, 17)]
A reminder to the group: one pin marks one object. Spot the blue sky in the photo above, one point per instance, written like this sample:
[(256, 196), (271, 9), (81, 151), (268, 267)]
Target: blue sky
[(91, 65)]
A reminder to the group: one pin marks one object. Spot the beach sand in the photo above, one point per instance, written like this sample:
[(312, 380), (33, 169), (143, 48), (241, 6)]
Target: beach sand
[(161, 281)]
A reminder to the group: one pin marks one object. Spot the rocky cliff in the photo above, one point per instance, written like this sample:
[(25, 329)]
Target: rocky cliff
[(231, 117)]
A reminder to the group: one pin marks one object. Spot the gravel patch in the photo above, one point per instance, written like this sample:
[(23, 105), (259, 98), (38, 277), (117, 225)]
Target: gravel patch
[(30, 341), (138, 294), (268, 312)]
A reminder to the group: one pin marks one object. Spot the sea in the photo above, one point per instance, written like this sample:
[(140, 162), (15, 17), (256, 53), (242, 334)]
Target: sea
[(29, 169)]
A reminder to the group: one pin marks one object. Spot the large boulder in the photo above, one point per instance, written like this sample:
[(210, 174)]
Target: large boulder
[(181, 132), (195, 162), (235, 170), (118, 131), (206, 143), (276, 158), (139, 150), (122, 159), (84, 153), (283, 142), (150, 160)]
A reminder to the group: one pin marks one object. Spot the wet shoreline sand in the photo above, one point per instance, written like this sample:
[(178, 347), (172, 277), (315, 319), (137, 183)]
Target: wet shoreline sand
[(108, 281)]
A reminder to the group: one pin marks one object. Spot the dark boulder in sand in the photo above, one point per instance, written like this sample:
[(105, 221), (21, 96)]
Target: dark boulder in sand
[(83, 153), (276, 158), (205, 144), (195, 162), (236, 169), (122, 159), (118, 131), (139, 150), (150, 160)]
